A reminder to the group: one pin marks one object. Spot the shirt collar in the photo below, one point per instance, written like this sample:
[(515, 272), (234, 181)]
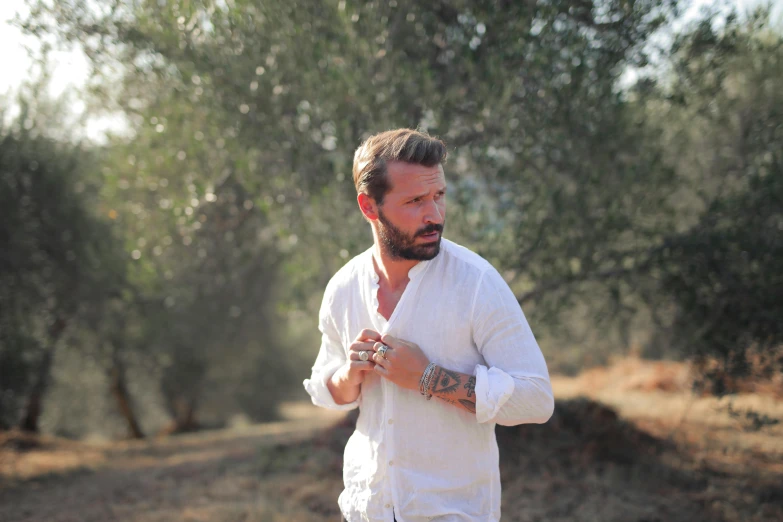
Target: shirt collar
[(413, 274)]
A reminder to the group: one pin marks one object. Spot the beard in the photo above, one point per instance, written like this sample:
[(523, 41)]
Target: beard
[(399, 245)]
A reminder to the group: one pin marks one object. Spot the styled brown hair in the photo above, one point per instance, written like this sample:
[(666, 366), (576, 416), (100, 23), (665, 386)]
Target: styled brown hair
[(407, 145)]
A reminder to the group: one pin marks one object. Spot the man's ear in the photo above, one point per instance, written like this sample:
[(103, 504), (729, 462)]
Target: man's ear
[(368, 206)]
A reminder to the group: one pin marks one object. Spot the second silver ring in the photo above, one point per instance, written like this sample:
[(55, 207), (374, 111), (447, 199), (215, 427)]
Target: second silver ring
[(382, 350)]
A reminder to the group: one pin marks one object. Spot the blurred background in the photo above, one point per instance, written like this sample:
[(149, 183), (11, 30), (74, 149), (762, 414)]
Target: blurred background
[(175, 192)]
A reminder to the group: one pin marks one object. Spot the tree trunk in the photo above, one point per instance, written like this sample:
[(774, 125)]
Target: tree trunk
[(186, 416), (120, 391), (184, 413), (34, 405)]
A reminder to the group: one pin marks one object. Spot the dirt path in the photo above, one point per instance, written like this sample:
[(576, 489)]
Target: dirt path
[(210, 476), (586, 465)]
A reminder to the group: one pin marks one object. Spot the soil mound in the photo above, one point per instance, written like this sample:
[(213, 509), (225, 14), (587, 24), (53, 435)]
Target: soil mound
[(583, 428)]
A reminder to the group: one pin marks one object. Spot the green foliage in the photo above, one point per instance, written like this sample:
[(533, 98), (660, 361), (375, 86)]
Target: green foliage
[(652, 207), (525, 95), (56, 257), (725, 272)]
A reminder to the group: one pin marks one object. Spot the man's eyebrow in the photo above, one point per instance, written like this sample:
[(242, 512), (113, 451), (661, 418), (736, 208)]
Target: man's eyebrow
[(421, 195)]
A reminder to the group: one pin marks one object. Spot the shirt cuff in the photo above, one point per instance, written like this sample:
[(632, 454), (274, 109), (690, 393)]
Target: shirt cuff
[(493, 388), (319, 391)]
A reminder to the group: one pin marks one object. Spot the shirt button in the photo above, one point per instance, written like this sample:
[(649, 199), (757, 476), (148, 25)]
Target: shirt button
[(391, 421), (391, 463), (387, 506)]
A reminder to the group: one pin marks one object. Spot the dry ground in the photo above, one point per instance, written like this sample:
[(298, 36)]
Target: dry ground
[(627, 443), (208, 476)]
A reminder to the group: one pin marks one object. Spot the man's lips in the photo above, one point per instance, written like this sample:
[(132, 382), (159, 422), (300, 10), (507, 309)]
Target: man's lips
[(430, 236)]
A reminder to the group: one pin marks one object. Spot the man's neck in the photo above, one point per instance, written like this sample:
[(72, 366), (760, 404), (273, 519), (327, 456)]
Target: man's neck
[(392, 272)]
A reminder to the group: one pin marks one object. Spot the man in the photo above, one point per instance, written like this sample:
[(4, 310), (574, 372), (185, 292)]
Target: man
[(414, 317)]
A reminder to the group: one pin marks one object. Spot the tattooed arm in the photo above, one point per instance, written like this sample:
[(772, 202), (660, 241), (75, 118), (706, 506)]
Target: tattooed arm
[(404, 364), (455, 388)]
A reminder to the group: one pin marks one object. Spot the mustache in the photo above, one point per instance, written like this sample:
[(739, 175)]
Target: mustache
[(429, 229)]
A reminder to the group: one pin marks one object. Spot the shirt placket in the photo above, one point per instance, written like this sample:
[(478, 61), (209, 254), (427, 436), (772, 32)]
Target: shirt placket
[(388, 493), (391, 498), (388, 422)]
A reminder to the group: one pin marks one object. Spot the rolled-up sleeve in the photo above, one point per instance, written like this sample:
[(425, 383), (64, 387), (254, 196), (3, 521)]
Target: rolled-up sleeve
[(331, 356), (514, 387)]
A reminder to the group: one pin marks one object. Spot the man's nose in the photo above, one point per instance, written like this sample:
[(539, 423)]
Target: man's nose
[(433, 213)]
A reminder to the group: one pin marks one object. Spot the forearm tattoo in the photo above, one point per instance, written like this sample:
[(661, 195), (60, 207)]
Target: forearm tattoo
[(445, 381), (448, 386), (471, 386)]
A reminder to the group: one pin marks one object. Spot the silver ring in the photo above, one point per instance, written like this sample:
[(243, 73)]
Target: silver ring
[(364, 355), (382, 350)]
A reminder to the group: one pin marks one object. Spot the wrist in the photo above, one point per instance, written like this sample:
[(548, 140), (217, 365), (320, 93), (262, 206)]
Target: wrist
[(343, 377), (342, 389), (427, 382)]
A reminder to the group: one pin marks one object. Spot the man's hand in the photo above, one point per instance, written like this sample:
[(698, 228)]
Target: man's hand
[(356, 369), (404, 362), (345, 384)]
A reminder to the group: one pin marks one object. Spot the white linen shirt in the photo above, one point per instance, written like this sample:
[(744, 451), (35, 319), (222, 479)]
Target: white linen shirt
[(429, 460)]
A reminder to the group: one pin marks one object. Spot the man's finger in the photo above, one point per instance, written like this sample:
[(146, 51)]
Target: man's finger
[(377, 346), (368, 335), (356, 356), (390, 341), (381, 370), (358, 346), (363, 365), (380, 361)]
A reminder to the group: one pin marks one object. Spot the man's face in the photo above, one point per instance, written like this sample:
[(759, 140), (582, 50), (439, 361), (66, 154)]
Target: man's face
[(413, 213)]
